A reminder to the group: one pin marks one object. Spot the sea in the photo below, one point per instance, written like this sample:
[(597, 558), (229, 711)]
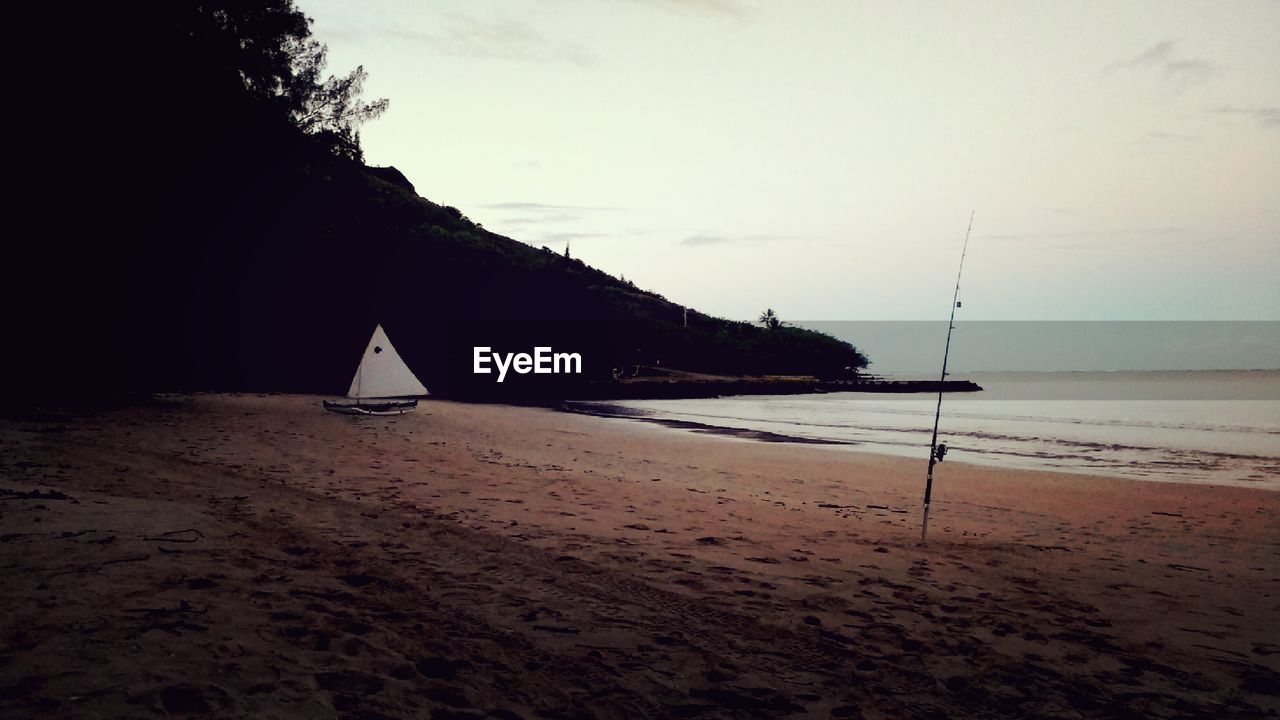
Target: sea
[(1196, 426)]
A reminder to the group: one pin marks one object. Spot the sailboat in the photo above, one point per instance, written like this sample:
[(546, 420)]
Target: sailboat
[(383, 384)]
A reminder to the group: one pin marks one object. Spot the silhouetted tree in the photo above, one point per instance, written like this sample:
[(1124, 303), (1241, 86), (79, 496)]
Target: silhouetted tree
[(769, 319), (252, 40), (269, 45), (328, 108)]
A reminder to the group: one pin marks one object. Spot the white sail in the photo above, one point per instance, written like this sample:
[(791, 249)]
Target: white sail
[(382, 374)]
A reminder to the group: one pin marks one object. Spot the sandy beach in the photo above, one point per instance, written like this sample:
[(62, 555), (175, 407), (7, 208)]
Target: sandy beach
[(252, 556)]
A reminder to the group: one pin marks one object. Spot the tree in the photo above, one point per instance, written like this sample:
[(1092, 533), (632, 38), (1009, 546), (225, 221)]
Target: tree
[(252, 40), (330, 109), (268, 44), (770, 319)]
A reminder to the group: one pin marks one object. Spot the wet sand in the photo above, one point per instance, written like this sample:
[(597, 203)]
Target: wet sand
[(248, 556)]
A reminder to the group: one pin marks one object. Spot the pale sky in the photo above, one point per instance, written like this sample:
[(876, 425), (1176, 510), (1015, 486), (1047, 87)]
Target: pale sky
[(822, 158)]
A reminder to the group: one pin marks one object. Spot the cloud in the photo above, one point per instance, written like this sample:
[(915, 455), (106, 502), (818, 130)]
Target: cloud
[(527, 165), (566, 236), (728, 8), (1150, 239), (500, 39), (541, 207), (695, 240), (706, 239), (1164, 58), (1171, 137), (1147, 232), (1267, 117), (542, 219), (523, 214)]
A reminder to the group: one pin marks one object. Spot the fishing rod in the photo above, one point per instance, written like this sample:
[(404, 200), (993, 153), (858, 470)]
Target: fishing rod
[(936, 451)]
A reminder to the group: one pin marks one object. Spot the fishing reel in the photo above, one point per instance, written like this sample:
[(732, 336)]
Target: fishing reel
[(940, 452)]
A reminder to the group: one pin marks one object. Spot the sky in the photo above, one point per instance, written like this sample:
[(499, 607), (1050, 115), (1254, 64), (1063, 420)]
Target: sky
[(916, 347), (1121, 159)]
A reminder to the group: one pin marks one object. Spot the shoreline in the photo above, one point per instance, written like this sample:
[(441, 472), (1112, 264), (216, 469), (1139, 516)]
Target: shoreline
[(1031, 458), (681, 385), (252, 555), (618, 412)]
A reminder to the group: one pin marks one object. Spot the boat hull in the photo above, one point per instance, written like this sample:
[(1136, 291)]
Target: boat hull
[(371, 407)]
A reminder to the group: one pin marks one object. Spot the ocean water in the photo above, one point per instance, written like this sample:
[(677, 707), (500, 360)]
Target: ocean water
[(1213, 427)]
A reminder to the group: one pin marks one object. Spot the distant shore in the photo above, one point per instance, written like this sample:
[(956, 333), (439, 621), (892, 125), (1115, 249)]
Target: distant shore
[(653, 383), (688, 390), (661, 384), (251, 555)]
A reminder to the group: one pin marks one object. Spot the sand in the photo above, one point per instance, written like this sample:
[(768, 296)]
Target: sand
[(251, 556)]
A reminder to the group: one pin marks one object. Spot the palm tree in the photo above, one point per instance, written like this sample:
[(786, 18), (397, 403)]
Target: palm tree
[(769, 319)]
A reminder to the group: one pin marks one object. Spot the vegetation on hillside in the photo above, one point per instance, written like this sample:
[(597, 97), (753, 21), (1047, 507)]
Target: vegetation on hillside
[(219, 232)]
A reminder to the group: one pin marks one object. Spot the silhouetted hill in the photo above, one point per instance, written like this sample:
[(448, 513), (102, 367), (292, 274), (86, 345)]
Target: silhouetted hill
[(189, 237)]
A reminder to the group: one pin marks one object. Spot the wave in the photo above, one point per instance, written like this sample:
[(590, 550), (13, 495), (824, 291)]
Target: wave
[(1221, 450), (952, 413), (617, 411)]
